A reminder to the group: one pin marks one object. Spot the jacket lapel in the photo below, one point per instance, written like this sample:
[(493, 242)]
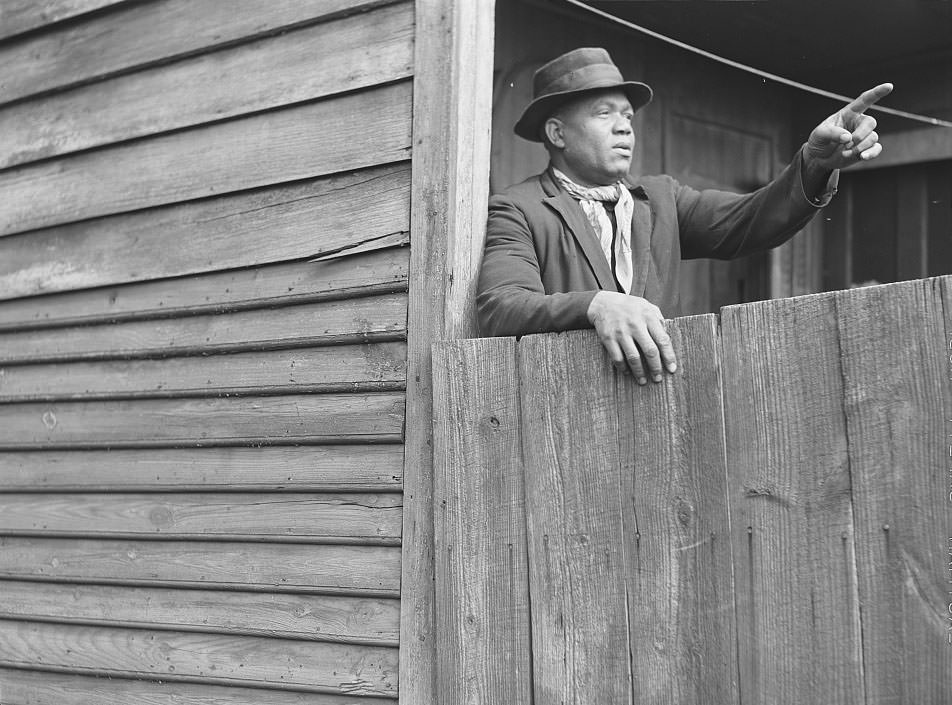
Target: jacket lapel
[(641, 225), (574, 218)]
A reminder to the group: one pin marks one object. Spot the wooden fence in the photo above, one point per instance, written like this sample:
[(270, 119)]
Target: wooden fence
[(769, 525)]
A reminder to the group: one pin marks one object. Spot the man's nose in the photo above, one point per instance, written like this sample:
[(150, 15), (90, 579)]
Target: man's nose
[(622, 125)]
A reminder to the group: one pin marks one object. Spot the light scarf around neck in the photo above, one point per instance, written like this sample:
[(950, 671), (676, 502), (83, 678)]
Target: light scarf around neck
[(593, 202)]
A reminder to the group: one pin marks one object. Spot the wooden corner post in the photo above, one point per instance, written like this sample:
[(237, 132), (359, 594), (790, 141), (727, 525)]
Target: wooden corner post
[(452, 115)]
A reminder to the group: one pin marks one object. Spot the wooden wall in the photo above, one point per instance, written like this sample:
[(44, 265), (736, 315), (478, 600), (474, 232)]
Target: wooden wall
[(767, 525), (201, 429)]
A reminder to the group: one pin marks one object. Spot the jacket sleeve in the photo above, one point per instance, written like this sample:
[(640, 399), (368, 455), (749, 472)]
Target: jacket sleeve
[(510, 297), (725, 225)]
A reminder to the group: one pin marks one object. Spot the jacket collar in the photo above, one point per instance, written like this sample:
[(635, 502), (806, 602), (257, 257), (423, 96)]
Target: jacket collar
[(572, 214)]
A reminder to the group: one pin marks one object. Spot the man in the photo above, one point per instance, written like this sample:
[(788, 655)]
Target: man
[(580, 246)]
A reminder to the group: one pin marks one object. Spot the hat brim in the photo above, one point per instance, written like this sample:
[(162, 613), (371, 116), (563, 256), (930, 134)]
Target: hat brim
[(538, 111)]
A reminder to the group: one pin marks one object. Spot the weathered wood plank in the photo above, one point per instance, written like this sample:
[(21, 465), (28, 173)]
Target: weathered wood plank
[(276, 567), (340, 368), (895, 348), (580, 637), (353, 620), (356, 52), (145, 33), (18, 16), (452, 115), (379, 272), (307, 665), (301, 220), (299, 142), (791, 512), (673, 482), (291, 419), (347, 468), (370, 319), (45, 688), (322, 518), (483, 636)]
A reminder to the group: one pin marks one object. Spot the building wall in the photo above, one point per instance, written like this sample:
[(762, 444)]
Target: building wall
[(201, 428)]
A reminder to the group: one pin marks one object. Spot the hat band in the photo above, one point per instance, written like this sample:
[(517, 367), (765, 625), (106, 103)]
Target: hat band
[(591, 76)]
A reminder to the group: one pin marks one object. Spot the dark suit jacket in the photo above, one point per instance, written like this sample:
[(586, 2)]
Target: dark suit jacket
[(542, 264)]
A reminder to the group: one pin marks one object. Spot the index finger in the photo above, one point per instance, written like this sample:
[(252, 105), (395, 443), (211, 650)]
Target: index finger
[(869, 98)]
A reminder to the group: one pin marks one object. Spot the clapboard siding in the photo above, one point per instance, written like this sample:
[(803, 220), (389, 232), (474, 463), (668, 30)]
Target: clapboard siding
[(26, 688), (376, 318), (303, 141), (356, 52), (18, 16), (314, 666), (301, 220), (204, 213), (379, 272), (299, 418), (342, 468), (344, 368), (322, 518), (331, 618), (141, 34), (372, 571)]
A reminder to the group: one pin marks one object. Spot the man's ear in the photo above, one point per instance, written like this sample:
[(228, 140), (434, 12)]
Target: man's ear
[(553, 132)]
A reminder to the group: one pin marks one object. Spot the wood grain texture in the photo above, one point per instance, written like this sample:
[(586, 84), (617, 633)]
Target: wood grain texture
[(452, 97), (345, 468), (352, 620), (316, 518), (379, 272), (299, 142), (18, 16), (302, 220), (895, 347), (372, 571), (356, 52), (580, 637), (677, 538), (314, 666), (374, 318), (145, 33), (482, 573), (340, 368), (791, 505), (46, 688), (291, 419)]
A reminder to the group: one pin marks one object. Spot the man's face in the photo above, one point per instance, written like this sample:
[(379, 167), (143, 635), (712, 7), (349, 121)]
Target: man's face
[(595, 139)]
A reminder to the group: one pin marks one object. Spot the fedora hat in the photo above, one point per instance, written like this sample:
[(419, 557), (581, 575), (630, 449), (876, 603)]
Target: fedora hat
[(568, 75)]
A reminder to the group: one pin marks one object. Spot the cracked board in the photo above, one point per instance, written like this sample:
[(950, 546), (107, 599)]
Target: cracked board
[(301, 220), (798, 616), (626, 500)]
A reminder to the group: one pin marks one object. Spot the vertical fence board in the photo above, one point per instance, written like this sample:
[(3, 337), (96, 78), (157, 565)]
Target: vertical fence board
[(482, 610), (791, 513), (575, 524), (898, 394), (677, 535)]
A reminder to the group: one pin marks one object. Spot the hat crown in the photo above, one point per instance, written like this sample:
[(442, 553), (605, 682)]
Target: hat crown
[(580, 69), (568, 76)]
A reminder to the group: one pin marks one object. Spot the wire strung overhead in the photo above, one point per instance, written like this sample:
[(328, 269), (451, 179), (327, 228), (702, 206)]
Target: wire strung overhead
[(750, 69)]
